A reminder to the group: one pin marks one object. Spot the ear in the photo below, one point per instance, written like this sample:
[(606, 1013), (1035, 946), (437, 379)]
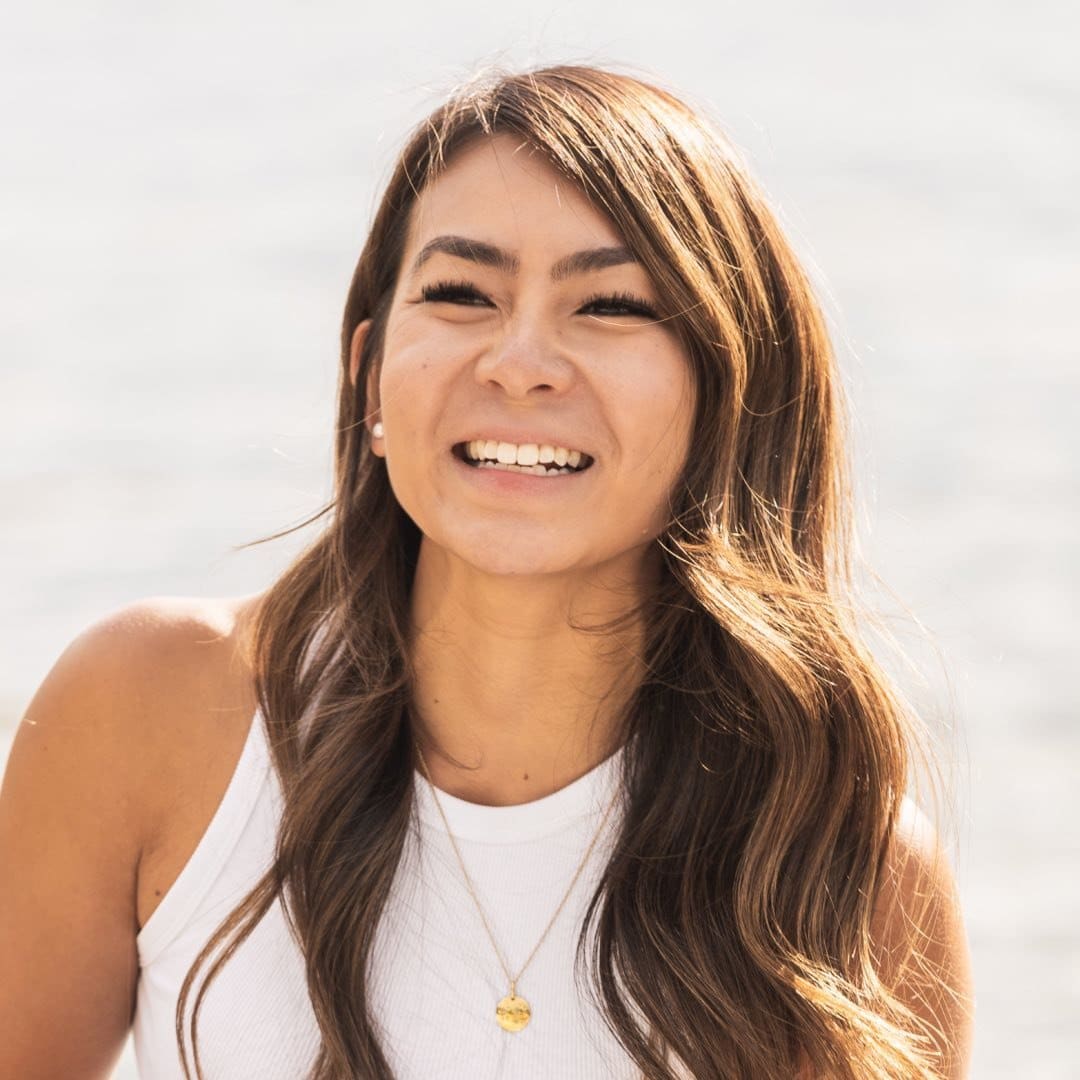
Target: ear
[(355, 349), (359, 334)]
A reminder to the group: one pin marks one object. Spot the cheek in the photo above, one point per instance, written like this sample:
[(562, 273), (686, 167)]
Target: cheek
[(415, 383), (418, 344), (659, 415), (410, 387)]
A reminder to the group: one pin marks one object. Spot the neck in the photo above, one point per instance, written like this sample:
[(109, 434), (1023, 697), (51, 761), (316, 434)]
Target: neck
[(513, 697)]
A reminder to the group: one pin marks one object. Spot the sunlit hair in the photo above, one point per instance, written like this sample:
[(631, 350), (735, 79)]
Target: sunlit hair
[(767, 754)]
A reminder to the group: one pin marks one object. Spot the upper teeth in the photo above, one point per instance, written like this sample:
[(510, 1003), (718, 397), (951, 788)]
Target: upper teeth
[(525, 454)]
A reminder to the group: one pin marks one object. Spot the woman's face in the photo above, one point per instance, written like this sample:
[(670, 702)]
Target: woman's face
[(521, 330)]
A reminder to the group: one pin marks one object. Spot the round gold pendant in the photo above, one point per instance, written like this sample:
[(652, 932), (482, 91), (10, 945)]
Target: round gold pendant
[(513, 1013)]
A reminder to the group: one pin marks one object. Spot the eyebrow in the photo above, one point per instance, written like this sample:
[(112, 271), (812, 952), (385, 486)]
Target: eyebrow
[(581, 262)]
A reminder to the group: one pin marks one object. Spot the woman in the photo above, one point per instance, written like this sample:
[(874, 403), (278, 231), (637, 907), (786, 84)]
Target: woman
[(557, 753)]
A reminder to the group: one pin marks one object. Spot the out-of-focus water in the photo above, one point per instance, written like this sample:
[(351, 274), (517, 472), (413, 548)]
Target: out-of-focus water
[(186, 190)]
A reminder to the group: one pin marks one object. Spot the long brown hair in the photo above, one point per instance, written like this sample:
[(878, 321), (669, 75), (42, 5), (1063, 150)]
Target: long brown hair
[(767, 753)]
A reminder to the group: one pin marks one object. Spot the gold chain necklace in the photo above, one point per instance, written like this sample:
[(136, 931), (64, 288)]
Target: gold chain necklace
[(512, 1013)]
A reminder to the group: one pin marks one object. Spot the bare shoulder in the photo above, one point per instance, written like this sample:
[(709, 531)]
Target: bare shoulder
[(125, 743), (132, 682), (139, 693), (143, 642), (920, 941), (155, 648), (139, 645)]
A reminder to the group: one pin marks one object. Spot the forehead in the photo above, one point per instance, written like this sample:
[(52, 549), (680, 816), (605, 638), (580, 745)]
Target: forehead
[(502, 190)]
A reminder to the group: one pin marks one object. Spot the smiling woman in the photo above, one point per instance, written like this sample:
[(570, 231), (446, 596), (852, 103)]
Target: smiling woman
[(558, 752)]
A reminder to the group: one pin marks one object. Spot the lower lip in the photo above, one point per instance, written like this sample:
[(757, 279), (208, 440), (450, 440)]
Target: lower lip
[(503, 480)]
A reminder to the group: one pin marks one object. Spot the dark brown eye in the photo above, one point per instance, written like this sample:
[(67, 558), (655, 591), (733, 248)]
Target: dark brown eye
[(453, 292), (622, 303)]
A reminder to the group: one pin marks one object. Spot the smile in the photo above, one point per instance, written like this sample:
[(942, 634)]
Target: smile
[(537, 459)]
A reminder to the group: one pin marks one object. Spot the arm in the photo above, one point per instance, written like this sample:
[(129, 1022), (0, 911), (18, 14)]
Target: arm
[(72, 828), (920, 943), (117, 766)]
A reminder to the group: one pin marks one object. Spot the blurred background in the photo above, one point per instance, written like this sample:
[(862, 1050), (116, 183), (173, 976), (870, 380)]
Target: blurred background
[(186, 188)]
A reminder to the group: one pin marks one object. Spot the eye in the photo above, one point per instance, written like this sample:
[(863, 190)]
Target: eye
[(453, 292), (622, 303)]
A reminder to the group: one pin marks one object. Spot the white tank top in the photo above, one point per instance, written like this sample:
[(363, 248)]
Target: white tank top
[(435, 979)]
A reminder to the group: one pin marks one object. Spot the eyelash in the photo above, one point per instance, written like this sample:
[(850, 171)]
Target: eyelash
[(456, 291)]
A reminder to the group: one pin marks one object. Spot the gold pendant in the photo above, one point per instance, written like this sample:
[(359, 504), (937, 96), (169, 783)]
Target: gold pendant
[(513, 1012)]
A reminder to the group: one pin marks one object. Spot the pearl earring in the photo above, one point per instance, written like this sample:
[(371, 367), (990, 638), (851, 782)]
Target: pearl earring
[(377, 430)]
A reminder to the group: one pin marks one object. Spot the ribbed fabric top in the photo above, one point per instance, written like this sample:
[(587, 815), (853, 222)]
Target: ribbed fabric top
[(435, 978)]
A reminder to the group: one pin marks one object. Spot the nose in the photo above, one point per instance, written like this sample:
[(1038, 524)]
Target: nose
[(525, 361)]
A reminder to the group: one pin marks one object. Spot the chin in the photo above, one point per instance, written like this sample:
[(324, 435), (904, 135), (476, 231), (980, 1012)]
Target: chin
[(511, 552)]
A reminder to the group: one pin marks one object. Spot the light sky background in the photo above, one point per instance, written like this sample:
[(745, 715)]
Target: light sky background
[(186, 189)]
